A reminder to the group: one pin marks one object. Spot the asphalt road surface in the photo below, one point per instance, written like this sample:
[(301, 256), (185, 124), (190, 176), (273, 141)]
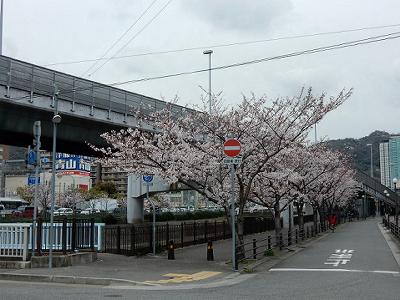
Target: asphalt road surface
[(355, 262)]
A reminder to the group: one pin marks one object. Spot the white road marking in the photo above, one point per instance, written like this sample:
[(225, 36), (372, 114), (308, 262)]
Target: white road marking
[(340, 257), (330, 270)]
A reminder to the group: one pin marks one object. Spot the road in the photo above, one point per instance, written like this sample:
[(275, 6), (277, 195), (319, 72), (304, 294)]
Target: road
[(355, 262)]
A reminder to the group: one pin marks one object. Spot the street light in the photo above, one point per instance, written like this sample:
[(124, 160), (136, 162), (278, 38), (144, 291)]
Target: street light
[(395, 199), (386, 207), (372, 168), (55, 120), (209, 52)]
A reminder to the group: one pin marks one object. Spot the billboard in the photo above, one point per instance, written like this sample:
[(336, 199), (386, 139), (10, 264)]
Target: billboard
[(71, 164)]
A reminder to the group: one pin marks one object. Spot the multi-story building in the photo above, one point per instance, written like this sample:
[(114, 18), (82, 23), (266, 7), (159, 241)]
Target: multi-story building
[(384, 163), (109, 174), (389, 153)]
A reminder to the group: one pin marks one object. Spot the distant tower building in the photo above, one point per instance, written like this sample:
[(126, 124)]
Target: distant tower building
[(389, 153), (394, 159), (384, 163)]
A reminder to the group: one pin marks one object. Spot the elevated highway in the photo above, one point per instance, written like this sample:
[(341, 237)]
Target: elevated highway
[(28, 93)]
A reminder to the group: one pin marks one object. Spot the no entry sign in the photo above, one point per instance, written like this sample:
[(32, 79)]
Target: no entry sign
[(232, 147)]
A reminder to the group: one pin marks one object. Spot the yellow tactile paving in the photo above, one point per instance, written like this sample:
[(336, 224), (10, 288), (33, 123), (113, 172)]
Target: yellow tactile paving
[(179, 278)]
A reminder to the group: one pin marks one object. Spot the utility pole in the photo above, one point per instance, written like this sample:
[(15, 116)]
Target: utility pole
[(371, 162)]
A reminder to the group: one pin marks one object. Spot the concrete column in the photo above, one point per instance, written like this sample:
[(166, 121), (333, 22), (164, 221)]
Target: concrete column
[(134, 209), (135, 213)]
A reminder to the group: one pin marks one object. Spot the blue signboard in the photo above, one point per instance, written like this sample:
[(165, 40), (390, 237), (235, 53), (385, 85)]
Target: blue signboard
[(31, 157), (148, 178), (32, 180), (71, 162)]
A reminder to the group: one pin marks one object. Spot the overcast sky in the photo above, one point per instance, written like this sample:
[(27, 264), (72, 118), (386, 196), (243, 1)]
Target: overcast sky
[(48, 31)]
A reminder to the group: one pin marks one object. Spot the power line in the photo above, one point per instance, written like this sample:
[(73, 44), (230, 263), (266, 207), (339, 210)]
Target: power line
[(120, 38), (127, 43), (369, 40), (224, 45)]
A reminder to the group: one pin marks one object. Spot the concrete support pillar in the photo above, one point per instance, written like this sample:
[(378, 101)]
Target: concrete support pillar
[(135, 213), (134, 209)]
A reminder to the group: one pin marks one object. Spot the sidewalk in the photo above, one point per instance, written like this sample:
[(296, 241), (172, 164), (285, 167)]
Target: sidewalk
[(190, 265)]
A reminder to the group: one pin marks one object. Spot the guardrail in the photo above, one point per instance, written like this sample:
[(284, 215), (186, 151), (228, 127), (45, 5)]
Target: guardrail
[(13, 241), (38, 80), (16, 239), (394, 229), (69, 235), (264, 246)]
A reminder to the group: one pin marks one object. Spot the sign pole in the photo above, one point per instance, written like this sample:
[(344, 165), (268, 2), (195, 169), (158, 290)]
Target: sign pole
[(154, 219), (148, 181), (36, 133), (232, 149), (233, 217)]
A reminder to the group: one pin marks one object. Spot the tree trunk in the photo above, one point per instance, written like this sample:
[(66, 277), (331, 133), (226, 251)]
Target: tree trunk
[(315, 218), (277, 219), (300, 215)]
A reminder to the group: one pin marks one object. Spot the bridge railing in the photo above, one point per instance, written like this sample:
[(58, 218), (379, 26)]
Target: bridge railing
[(14, 241), (42, 81)]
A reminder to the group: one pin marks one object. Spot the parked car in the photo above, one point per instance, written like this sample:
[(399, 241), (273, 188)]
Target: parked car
[(24, 212), (63, 211), (89, 211), (2, 210)]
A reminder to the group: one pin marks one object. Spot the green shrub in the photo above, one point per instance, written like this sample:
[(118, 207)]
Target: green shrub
[(269, 252)]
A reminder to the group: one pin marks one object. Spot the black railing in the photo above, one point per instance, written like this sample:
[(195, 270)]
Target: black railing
[(69, 235), (394, 229), (264, 246), (137, 239)]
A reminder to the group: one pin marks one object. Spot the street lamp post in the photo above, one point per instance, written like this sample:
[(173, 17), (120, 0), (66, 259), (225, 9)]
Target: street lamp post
[(55, 120), (371, 161), (396, 202), (386, 206), (209, 52)]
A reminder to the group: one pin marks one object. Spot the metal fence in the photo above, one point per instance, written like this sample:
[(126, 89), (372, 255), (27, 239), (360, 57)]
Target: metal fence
[(394, 229), (257, 248), (37, 80), (69, 236), (137, 239), (13, 241)]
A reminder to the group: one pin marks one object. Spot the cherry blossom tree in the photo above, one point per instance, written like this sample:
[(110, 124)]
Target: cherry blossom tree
[(72, 196), (335, 187), (186, 146)]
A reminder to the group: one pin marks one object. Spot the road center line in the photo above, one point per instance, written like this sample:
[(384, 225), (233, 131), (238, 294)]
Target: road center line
[(330, 270)]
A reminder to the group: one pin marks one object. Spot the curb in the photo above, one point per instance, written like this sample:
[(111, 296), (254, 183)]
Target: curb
[(391, 241), (70, 279)]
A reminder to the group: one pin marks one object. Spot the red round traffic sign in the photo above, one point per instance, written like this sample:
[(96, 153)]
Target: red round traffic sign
[(232, 147)]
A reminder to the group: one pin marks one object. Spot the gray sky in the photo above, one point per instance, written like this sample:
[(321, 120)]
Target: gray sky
[(48, 31)]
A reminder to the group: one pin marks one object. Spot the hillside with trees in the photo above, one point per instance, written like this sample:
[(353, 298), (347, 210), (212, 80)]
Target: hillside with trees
[(359, 152)]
